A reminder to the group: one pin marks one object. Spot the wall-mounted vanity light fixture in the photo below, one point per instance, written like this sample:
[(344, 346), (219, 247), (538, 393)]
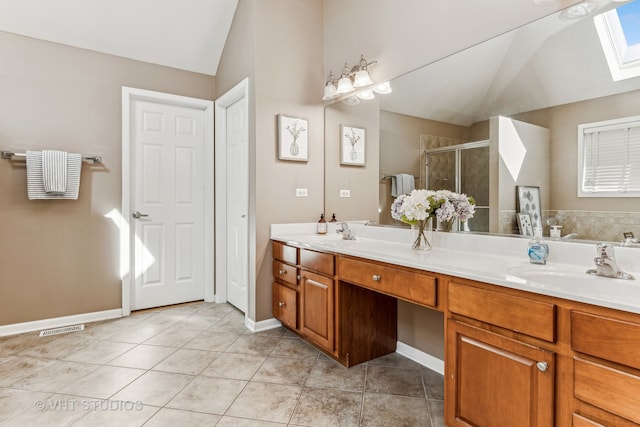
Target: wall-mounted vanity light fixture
[(353, 79)]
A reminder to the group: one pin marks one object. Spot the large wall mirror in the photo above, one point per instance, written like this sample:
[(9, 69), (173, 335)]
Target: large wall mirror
[(500, 115)]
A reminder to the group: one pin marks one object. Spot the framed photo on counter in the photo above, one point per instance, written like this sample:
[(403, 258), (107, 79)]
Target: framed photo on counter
[(528, 201), (524, 224)]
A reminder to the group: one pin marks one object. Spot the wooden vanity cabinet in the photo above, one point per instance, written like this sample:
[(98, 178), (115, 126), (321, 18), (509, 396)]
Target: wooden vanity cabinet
[(498, 381), (317, 302), (494, 379), (284, 288), (606, 366), (512, 358), (304, 295)]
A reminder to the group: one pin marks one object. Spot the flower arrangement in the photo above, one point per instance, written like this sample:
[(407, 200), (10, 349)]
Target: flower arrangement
[(418, 206), (295, 132)]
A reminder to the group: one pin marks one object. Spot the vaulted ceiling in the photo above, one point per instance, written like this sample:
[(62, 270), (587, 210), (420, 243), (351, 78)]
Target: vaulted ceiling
[(186, 34)]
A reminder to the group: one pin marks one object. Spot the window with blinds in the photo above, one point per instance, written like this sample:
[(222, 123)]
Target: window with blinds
[(609, 158)]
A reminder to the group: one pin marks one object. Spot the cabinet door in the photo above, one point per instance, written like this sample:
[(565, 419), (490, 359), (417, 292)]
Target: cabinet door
[(317, 309), (285, 305), (492, 380)]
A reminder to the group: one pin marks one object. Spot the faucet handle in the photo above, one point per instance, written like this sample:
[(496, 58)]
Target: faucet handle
[(605, 250)]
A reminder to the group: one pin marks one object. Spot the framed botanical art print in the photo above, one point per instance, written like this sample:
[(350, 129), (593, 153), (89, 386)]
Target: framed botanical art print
[(293, 138), (524, 224), (528, 201), (352, 145)]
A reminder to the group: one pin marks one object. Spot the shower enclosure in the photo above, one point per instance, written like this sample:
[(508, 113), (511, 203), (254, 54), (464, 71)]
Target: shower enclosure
[(462, 167)]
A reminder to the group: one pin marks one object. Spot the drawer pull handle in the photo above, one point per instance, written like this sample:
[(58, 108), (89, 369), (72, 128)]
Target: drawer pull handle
[(281, 304), (282, 272), (298, 277), (376, 277), (542, 366)]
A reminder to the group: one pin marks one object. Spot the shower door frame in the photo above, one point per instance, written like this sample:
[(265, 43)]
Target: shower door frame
[(457, 148)]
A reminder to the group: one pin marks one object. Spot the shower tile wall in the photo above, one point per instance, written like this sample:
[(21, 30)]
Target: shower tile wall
[(442, 165)]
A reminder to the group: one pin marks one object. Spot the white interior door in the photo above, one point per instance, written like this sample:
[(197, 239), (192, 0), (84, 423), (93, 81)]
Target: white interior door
[(167, 203), (237, 184)]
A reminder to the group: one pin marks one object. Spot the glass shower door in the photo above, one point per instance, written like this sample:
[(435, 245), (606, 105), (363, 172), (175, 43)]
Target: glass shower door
[(463, 168)]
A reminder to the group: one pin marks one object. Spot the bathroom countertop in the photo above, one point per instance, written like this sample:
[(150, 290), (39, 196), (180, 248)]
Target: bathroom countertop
[(557, 279)]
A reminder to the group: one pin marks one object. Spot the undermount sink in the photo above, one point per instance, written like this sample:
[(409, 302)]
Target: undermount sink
[(551, 275)]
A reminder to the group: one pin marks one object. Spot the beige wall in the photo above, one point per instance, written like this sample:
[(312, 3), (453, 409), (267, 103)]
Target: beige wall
[(519, 154), (564, 152), (363, 203), (278, 45), (563, 123), (61, 257), (400, 151), (288, 80)]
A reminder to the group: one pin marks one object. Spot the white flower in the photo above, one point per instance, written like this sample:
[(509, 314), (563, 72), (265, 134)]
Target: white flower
[(444, 205)]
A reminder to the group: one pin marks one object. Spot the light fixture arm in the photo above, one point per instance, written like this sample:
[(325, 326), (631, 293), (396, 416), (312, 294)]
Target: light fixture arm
[(363, 65), (350, 79)]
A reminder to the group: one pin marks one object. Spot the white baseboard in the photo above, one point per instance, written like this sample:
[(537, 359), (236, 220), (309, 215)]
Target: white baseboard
[(58, 322), (263, 325), (425, 359)]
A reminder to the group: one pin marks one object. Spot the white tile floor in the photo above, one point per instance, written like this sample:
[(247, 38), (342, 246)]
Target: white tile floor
[(197, 365)]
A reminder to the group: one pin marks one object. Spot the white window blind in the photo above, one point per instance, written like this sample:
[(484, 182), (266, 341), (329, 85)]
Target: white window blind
[(609, 158)]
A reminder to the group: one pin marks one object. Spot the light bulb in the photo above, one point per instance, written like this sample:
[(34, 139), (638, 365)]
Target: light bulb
[(329, 92), (362, 79), (383, 88), (366, 94)]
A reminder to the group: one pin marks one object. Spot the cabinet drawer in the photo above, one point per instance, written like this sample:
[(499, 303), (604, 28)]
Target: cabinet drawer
[(285, 272), (607, 388), (285, 305), (614, 340), (523, 315), (285, 253), (317, 261), (415, 287)]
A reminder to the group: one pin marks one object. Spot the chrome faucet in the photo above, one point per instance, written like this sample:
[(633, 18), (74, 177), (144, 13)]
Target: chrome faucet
[(606, 264), (347, 234)]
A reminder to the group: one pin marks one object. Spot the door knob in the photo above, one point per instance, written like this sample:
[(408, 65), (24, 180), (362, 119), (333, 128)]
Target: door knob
[(138, 215), (542, 366), (376, 277)]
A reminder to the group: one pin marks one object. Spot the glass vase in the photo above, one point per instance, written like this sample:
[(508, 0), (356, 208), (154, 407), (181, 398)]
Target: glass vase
[(422, 235), (445, 225)]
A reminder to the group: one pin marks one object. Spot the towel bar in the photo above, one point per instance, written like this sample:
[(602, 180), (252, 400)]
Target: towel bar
[(389, 177), (11, 155)]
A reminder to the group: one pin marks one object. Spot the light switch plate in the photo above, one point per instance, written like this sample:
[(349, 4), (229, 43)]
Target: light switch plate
[(345, 193), (302, 192)]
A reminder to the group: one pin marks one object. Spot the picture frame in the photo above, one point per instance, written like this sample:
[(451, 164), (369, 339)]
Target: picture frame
[(352, 145), (528, 201), (524, 224), (293, 138)]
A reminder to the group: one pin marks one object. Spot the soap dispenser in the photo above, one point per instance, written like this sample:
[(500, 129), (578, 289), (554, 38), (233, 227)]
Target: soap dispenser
[(322, 225), (333, 218), (538, 249)]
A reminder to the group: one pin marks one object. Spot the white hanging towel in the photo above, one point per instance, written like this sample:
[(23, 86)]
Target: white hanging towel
[(54, 171), (35, 178), (396, 185), (408, 183)]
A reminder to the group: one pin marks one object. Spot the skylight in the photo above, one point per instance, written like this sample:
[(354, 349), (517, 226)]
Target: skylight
[(629, 16), (619, 32)]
